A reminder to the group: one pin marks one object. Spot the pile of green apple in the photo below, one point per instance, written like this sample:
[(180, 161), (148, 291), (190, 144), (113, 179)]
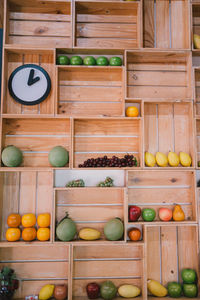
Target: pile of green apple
[(89, 61)]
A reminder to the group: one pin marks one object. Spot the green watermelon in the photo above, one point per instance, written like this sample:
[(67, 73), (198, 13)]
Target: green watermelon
[(114, 229), (58, 156), (12, 156)]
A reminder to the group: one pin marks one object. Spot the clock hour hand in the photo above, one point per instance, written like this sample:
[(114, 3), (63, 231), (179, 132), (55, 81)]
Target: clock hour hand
[(31, 79)]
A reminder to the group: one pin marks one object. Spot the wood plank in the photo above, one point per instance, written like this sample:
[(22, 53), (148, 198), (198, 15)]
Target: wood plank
[(158, 92), (27, 193), (39, 17), (148, 23), (106, 43), (36, 160), (88, 93), (106, 251), (169, 255), (39, 28), (44, 192), (106, 30), (154, 254), (108, 127), (165, 128), (150, 125), (162, 24), (61, 42), (1, 14), (157, 66), (91, 109), (113, 268), (90, 18)]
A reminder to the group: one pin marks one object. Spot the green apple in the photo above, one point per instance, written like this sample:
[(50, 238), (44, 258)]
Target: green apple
[(63, 60), (76, 60), (89, 61), (148, 214), (189, 275), (190, 290), (174, 289)]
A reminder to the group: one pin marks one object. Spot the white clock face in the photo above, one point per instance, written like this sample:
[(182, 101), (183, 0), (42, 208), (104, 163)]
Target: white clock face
[(29, 84)]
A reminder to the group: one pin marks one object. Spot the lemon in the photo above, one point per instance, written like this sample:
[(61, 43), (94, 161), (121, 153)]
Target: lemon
[(173, 159), (128, 291), (46, 292), (185, 159), (150, 160), (161, 159), (156, 289)]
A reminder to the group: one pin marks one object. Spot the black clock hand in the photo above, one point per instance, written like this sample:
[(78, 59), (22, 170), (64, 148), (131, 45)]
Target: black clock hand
[(31, 79)]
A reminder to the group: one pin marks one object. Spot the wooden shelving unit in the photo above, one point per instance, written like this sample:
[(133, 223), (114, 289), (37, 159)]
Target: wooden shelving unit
[(85, 113)]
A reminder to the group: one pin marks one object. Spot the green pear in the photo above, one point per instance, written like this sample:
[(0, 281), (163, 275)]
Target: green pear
[(196, 41)]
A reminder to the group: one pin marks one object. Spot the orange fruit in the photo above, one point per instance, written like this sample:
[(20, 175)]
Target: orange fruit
[(43, 234), (134, 234), (29, 234), (28, 220), (14, 220), (43, 220), (13, 234), (132, 111)]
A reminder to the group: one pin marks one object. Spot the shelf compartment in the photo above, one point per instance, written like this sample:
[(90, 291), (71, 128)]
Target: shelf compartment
[(107, 25), (90, 91), (166, 24), (43, 24), (169, 250), (36, 266), (36, 137), (195, 20), (169, 127), (197, 141), (109, 136), (156, 189), (25, 192), (90, 207), (13, 58), (153, 75), (122, 264)]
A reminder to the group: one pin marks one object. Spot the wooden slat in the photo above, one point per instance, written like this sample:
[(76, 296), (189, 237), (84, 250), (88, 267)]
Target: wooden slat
[(61, 42), (27, 193), (157, 66), (113, 268), (158, 92), (87, 18), (148, 23), (87, 93), (162, 24), (35, 160), (165, 128), (106, 43), (91, 109), (106, 144), (150, 125), (44, 192), (154, 254), (39, 17)]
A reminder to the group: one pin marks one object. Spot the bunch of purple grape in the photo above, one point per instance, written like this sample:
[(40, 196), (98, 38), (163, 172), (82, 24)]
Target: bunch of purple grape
[(8, 283), (116, 162)]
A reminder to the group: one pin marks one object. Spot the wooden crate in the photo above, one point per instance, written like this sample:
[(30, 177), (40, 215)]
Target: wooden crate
[(24, 192), (14, 58), (90, 91), (156, 189), (89, 207), (38, 23), (109, 136), (195, 8), (171, 249), (37, 266), (169, 127), (107, 25), (153, 75), (36, 137), (119, 263), (166, 24)]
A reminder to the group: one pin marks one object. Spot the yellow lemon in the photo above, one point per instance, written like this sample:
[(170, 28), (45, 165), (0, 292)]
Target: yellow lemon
[(46, 292), (173, 159), (150, 160), (161, 159), (185, 159)]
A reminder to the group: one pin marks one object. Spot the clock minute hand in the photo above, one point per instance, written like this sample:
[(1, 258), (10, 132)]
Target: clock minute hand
[(31, 79)]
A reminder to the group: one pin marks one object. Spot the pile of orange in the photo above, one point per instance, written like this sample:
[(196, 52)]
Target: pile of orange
[(29, 232)]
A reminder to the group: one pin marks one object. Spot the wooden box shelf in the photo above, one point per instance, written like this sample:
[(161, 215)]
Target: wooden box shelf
[(14, 58), (107, 25), (37, 266), (195, 20), (153, 75), (36, 137), (171, 249), (109, 136), (197, 142), (43, 24), (90, 206), (156, 189), (24, 192), (169, 127), (120, 264), (166, 24), (90, 91)]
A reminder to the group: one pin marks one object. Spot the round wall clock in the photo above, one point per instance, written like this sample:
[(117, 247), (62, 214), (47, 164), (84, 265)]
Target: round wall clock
[(29, 84)]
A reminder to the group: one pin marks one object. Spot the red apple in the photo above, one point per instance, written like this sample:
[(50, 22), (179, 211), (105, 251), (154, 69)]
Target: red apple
[(93, 290), (134, 213), (165, 214)]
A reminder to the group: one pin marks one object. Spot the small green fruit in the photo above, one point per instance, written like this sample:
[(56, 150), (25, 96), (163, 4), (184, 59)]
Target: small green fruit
[(11, 156), (58, 156), (189, 275), (190, 290), (63, 60), (89, 61), (76, 60), (115, 61), (148, 214), (102, 61), (174, 289)]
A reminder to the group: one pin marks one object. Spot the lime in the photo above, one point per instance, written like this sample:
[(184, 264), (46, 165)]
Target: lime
[(115, 61), (188, 275), (102, 61), (148, 214), (190, 290), (63, 60), (89, 61), (76, 60), (174, 289)]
